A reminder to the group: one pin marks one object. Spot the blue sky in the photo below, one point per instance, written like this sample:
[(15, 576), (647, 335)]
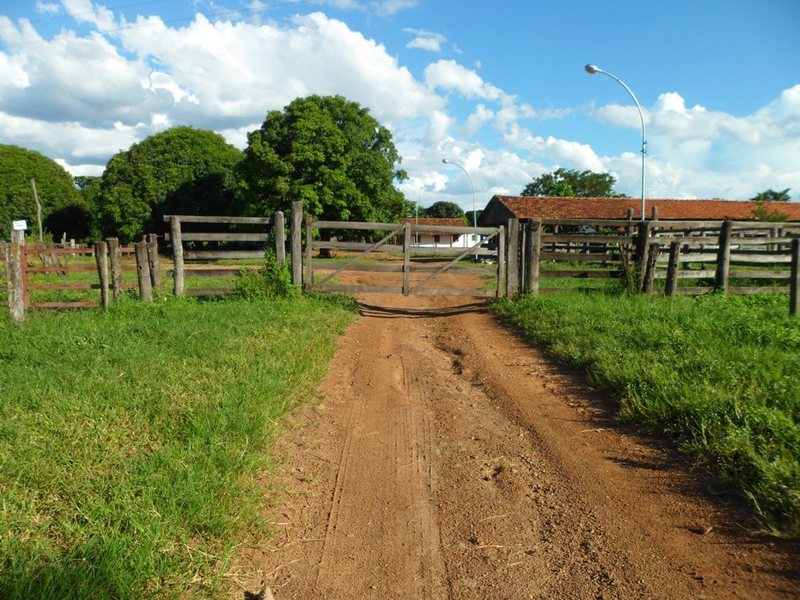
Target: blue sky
[(498, 87)]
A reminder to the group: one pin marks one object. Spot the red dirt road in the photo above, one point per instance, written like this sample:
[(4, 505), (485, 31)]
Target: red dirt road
[(447, 458)]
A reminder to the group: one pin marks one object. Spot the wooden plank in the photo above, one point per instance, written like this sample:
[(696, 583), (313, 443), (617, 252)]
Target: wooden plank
[(453, 230), (234, 220), (501, 262), (623, 223), (221, 254), (115, 260), (64, 286), (673, 269), (738, 259), (533, 256), (569, 257), (694, 290), (309, 280), (587, 239), (453, 292), (354, 289), (359, 226), (66, 269), (724, 256), (406, 258), (756, 274), (60, 251), (224, 237), (755, 289)]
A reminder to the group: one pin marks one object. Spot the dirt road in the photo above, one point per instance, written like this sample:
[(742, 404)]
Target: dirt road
[(446, 458)]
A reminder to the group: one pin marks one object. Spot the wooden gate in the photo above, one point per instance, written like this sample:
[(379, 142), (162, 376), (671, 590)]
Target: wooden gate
[(398, 251)]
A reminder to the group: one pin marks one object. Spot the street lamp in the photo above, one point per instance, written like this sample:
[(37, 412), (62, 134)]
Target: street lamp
[(472, 185), (592, 69)]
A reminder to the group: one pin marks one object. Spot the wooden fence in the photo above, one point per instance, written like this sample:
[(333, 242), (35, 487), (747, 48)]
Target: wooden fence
[(671, 257), (50, 272), (211, 253)]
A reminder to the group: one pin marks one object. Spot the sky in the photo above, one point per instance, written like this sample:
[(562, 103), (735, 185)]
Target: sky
[(499, 88)]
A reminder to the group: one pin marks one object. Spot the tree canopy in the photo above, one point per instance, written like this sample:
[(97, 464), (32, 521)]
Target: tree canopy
[(182, 170), (53, 185), (445, 210), (570, 183), (771, 195), (331, 154)]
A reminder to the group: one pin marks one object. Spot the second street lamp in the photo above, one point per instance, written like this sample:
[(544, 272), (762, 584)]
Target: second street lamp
[(592, 69), (472, 185)]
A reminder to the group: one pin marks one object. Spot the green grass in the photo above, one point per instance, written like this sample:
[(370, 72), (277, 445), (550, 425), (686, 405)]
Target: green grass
[(719, 374), (132, 441)]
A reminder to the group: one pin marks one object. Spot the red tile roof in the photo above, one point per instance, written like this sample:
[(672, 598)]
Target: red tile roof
[(436, 221), (530, 207)]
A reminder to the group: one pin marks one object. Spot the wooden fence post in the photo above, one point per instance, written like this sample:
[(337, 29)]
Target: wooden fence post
[(101, 258), (650, 271), (672, 268), (152, 259), (297, 243), (794, 282), (724, 256), (16, 301), (501, 262), (406, 258), (143, 272), (533, 251), (177, 255), (642, 251), (512, 281), (309, 281), (278, 223), (115, 258)]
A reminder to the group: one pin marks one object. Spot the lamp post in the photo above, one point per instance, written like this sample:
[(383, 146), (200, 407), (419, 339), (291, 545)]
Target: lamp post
[(592, 69), (472, 185)]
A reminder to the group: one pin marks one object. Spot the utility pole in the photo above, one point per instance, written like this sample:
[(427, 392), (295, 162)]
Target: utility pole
[(38, 209)]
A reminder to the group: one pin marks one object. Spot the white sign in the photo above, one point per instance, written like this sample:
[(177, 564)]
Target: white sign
[(19, 225)]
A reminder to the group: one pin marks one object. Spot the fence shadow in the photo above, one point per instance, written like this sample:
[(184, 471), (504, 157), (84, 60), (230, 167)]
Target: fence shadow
[(387, 312)]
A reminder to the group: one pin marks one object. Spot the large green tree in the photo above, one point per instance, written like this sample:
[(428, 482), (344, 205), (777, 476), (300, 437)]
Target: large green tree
[(446, 210), (331, 154), (53, 185), (182, 170), (570, 183)]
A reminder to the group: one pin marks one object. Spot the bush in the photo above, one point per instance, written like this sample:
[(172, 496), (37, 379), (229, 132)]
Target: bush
[(272, 281)]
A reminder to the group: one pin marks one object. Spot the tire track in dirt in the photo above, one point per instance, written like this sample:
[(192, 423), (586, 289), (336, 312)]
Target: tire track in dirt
[(449, 459)]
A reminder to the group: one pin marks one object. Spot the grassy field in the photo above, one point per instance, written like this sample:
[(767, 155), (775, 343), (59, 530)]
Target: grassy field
[(718, 374), (132, 441)]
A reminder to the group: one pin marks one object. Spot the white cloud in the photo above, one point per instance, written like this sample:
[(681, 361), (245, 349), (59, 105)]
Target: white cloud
[(47, 8), (85, 11), (448, 75), (477, 120), (425, 40)]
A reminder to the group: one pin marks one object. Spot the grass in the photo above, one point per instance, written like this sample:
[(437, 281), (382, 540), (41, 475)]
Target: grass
[(132, 441), (719, 374)]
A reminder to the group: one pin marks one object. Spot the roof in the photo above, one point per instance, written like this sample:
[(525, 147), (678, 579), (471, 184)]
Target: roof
[(547, 207), (436, 221)]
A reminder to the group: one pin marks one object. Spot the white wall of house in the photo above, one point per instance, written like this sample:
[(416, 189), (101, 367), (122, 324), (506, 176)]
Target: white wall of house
[(444, 240)]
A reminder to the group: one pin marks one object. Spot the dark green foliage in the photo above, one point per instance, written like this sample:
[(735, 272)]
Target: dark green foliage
[(53, 184), (719, 374), (569, 183), (771, 195), (445, 210), (178, 171), (329, 153), (272, 281)]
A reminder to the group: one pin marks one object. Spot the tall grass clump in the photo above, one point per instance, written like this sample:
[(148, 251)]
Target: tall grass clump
[(132, 441), (719, 374)]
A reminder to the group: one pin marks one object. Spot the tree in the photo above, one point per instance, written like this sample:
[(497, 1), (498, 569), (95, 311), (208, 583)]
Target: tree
[(182, 170), (445, 210), (329, 153), (53, 185), (771, 195), (569, 183)]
